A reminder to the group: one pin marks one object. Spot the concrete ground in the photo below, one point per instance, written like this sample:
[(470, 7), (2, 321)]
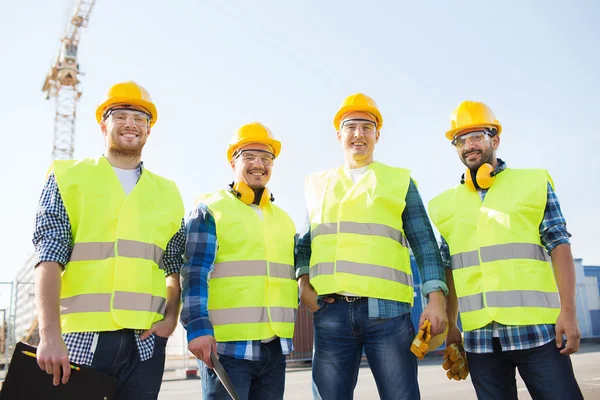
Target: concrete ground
[(432, 381)]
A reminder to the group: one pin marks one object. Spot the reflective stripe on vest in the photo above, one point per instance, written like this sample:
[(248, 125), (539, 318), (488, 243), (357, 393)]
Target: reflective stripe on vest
[(512, 298), (373, 271), (95, 251), (252, 268), (246, 315), (360, 228), (497, 252), (100, 302)]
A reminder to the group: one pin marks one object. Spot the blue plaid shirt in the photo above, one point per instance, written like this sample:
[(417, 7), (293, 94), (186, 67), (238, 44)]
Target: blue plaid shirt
[(199, 259), (422, 243), (553, 231), (53, 241)]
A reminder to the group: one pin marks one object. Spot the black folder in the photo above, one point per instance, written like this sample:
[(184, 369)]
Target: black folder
[(26, 381)]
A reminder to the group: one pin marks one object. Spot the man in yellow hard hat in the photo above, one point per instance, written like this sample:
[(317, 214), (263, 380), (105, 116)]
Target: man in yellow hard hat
[(109, 242), (353, 264), (240, 297), (498, 227)]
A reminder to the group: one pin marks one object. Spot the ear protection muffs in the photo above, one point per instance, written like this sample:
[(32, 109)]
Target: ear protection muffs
[(483, 178), (246, 194)]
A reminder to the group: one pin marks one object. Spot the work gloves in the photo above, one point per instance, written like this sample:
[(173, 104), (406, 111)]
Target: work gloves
[(423, 342), (455, 362)]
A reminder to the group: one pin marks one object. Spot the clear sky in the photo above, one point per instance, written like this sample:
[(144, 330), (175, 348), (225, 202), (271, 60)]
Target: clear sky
[(212, 66)]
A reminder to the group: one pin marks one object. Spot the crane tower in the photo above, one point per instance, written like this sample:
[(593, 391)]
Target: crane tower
[(63, 83)]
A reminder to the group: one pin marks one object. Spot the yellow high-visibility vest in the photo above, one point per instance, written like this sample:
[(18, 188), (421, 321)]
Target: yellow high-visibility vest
[(501, 270), (115, 277), (253, 293), (357, 237)]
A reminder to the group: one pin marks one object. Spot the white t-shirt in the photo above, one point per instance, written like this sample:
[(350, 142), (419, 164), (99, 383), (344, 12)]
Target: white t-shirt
[(128, 178), (357, 173), (258, 210)]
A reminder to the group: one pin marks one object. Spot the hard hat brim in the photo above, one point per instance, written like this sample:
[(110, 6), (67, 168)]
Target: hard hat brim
[(126, 100), (452, 132), (275, 144), (352, 108)]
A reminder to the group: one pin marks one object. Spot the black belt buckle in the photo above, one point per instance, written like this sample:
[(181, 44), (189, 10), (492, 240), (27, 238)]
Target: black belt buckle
[(348, 299)]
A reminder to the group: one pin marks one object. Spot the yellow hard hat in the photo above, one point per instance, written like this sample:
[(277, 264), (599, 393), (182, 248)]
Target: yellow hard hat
[(128, 93), (471, 114), (254, 132), (358, 102)]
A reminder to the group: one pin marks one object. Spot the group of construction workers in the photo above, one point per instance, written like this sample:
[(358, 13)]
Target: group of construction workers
[(119, 264)]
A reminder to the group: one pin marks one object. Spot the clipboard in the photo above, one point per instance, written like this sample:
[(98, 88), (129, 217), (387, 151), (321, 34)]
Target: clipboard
[(25, 381), (223, 377)]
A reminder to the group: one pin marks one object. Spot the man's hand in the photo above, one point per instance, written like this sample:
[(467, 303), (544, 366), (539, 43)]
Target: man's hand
[(201, 347), (163, 328), (454, 336), (567, 324), (435, 312), (51, 356), (308, 295)]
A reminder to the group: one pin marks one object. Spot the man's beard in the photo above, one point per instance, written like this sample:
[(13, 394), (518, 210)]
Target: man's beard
[(126, 151), (487, 156)]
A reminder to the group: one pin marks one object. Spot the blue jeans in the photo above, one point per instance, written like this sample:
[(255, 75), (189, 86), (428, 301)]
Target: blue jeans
[(252, 380), (117, 355), (342, 330), (546, 373)]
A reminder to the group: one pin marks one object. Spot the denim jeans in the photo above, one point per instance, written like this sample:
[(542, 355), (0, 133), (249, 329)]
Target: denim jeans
[(342, 330), (252, 380), (117, 355), (546, 373)]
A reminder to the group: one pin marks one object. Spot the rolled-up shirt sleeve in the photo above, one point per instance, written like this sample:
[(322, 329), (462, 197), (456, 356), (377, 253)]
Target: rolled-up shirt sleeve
[(52, 237), (173, 258), (419, 233), (199, 258)]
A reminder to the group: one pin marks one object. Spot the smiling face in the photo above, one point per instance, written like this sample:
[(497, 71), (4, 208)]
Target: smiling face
[(252, 164), (476, 148), (358, 135), (126, 131)]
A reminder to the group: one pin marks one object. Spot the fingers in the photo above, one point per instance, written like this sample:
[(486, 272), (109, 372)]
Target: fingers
[(48, 368), (572, 344), (66, 370), (559, 335), (422, 320), (329, 300), (56, 373), (146, 334), (42, 364), (206, 355)]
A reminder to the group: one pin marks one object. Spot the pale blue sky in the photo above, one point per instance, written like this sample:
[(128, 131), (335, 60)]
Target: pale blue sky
[(212, 66)]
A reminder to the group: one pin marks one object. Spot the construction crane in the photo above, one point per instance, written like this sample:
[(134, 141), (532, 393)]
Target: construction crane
[(63, 84)]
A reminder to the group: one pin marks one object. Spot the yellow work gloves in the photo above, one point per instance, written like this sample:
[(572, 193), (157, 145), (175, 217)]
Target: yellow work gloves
[(423, 342), (455, 362), (420, 344)]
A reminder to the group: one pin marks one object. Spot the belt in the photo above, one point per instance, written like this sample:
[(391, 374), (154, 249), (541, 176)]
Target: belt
[(349, 299)]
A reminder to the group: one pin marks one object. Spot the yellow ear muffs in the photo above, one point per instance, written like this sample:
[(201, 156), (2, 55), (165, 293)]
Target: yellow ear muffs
[(246, 194), (482, 179)]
